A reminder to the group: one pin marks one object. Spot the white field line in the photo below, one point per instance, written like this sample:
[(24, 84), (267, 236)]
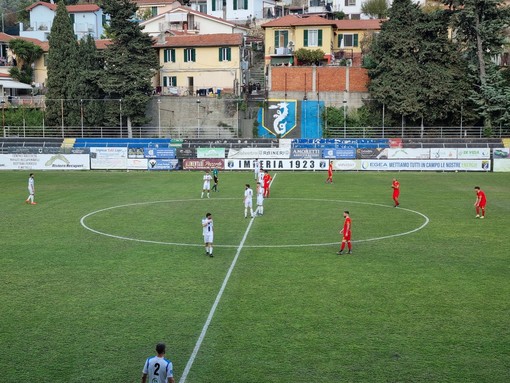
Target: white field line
[(193, 356), (426, 222)]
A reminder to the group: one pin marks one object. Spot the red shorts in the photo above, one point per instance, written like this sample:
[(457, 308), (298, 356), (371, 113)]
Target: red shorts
[(396, 193), (482, 204), (347, 236)]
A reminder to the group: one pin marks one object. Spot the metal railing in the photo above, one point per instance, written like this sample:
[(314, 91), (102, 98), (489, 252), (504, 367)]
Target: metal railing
[(416, 132), (207, 132)]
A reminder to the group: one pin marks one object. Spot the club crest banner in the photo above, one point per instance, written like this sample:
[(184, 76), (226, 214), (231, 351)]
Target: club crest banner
[(279, 117)]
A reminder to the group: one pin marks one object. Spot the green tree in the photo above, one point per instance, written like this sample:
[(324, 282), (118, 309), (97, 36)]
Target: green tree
[(416, 71), (62, 98), (377, 9), (26, 54), (130, 63), (479, 27), (91, 94)]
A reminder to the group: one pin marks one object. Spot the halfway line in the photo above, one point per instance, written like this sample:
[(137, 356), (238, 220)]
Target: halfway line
[(213, 308)]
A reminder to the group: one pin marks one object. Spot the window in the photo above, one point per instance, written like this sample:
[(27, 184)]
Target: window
[(45, 59), (281, 39), (240, 4), (202, 7), (350, 3), (71, 16), (313, 38), (169, 55), (169, 80), (350, 40), (154, 11), (189, 55), (217, 5), (225, 54)]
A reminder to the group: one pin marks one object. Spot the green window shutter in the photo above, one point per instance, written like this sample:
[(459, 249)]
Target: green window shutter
[(305, 42), (185, 55), (346, 3), (164, 55), (173, 81), (213, 5), (165, 81), (320, 38), (286, 38), (245, 4), (172, 55), (355, 39), (193, 55), (220, 56), (276, 39), (235, 5), (229, 54), (340, 38)]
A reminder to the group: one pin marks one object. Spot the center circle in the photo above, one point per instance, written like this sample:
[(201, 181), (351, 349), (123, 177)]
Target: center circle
[(299, 202)]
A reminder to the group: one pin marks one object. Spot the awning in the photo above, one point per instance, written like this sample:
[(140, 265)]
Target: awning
[(11, 84)]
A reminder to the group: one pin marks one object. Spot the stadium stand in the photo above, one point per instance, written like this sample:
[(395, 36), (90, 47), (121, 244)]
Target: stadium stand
[(15, 142), (232, 143), (452, 143), (122, 142)]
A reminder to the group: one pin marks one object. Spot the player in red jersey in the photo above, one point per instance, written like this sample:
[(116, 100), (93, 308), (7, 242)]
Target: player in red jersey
[(481, 201), (346, 234), (267, 183), (396, 191), (330, 173)]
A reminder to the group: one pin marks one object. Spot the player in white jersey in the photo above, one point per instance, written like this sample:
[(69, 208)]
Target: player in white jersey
[(256, 168), (261, 177), (158, 368), (207, 184), (208, 232), (31, 190), (248, 201), (260, 200)]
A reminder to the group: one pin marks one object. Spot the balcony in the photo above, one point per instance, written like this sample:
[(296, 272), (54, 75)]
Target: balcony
[(282, 52)]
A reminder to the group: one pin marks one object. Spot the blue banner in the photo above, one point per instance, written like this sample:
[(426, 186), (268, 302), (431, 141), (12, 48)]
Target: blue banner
[(159, 152), (339, 153), (162, 164)]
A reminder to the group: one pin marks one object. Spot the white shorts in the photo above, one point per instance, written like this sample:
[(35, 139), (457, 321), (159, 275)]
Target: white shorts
[(208, 238), (248, 203), (207, 186), (30, 191), (260, 200)]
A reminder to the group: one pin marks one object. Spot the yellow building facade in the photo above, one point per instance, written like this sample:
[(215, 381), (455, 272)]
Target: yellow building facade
[(200, 64)]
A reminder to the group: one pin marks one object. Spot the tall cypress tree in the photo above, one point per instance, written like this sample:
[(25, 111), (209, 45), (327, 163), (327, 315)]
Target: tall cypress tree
[(130, 62), (416, 71), (91, 94), (62, 99)]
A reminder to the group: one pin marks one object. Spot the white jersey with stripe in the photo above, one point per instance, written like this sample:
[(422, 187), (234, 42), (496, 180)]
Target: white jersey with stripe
[(158, 369), (207, 226)]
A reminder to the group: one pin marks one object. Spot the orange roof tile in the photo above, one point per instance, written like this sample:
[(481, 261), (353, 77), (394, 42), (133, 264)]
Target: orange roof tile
[(70, 8), (295, 20), (154, 2), (215, 40)]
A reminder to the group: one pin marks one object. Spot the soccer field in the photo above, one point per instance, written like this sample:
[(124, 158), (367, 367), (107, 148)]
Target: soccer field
[(108, 264)]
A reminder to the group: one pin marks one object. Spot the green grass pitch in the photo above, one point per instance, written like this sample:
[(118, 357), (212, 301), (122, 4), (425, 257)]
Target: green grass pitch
[(429, 306)]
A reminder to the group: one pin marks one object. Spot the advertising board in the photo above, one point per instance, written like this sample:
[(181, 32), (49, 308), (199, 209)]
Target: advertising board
[(108, 158), (278, 164), (427, 165), (203, 163), (210, 152), (33, 161)]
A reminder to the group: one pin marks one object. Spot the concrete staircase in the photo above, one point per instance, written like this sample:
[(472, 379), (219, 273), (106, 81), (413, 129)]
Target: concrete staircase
[(257, 74)]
